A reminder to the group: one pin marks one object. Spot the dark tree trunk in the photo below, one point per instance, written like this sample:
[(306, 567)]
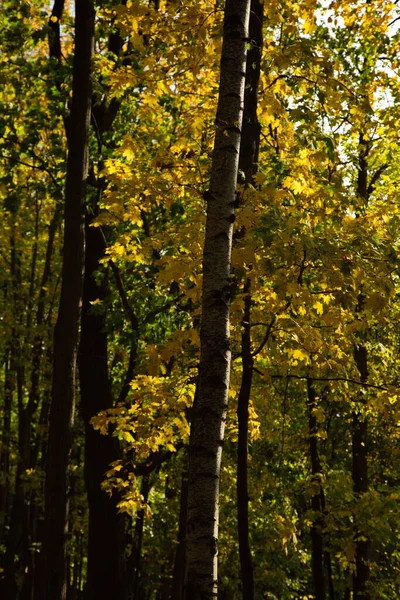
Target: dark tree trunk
[(248, 158), (328, 562), (40, 445), (52, 573), (9, 383), (207, 432), (317, 551), (105, 570), (34, 392), (16, 555), (360, 420), (360, 482), (30, 508), (178, 579), (138, 538), (251, 129), (246, 560)]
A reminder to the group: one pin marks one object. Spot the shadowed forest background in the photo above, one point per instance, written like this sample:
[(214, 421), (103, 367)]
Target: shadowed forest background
[(109, 113)]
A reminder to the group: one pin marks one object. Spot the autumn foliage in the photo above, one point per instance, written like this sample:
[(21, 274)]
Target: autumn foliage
[(313, 293)]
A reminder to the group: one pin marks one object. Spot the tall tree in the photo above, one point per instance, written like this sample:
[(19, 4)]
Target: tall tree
[(106, 563), (207, 433), (105, 571), (360, 482), (359, 430), (52, 572), (317, 551), (248, 158)]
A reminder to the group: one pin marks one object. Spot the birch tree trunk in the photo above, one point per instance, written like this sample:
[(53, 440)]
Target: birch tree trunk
[(210, 411), (51, 577)]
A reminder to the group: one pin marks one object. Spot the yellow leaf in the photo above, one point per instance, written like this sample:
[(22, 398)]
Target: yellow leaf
[(319, 307), (300, 354), (97, 301)]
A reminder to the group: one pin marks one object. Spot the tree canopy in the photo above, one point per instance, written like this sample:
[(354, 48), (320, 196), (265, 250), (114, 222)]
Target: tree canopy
[(129, 133)]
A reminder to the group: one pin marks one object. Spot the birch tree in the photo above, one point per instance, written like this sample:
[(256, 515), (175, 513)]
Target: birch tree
[(211, 405)]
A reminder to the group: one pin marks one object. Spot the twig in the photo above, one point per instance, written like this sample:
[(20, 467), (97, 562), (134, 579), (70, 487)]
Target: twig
[(345, 379)]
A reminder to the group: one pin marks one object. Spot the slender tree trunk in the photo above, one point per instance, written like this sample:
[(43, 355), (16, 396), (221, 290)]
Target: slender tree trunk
[(246, 560), (105, 570), (52, 574), (328, 562), (178, 578), (34, 391), (40, 446), (20, 532), (38, 342), (6, 442), (360, 420), (29, 508), (248, 158), (17, 545), (16, 557), (38, 457), (317, 551), (360, 482), (251, 128), (210, 411), (138, 538)]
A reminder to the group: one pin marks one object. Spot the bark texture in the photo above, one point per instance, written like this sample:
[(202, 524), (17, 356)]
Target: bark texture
[(251, 128), (51, 578), (210, 411), (248, 158), (105, 570)]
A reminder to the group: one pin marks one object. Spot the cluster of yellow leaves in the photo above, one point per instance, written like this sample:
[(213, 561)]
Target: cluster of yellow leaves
[(155, 417), (303, 236)]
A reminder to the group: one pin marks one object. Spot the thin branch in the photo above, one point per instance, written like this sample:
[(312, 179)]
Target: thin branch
[(155, 460), (124, 298), (375, 178), (135, 327), (345, 379), (284, 408), (37, 167), (130, 371), (303, 267), (269, 329), (394, 20), (266, 337)]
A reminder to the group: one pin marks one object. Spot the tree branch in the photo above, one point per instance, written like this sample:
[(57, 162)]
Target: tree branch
[(345, 379)]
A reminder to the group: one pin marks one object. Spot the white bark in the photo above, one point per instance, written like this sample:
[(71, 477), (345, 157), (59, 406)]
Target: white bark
[(211, 405)]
